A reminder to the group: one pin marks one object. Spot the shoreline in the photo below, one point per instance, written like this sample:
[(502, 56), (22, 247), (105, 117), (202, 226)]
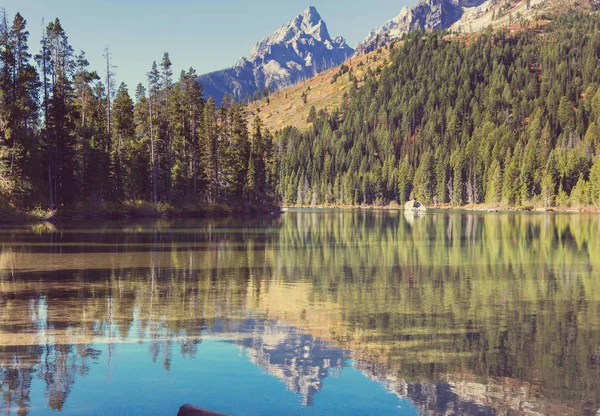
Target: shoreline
[(140, 211), (482, 208), (158, 212)]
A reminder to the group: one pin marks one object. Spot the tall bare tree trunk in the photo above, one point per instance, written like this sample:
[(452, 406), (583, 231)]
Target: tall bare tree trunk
[(108, 99)]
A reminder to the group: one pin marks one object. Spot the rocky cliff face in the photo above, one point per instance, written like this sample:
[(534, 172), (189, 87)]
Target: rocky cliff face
[(425, 15), (296, 51)]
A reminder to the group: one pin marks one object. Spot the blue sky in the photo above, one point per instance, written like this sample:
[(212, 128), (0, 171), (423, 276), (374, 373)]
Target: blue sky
[(204, 34)]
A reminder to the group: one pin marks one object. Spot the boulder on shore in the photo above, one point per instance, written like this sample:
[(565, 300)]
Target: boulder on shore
[(189, 410), (414, 206)]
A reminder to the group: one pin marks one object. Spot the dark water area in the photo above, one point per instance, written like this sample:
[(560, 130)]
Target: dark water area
[(313, 312)]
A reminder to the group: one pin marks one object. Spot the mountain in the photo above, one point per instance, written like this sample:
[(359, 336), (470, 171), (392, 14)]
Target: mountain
[(301, 361), (325, 91), (458, 15), (296, 51), (425, 15)]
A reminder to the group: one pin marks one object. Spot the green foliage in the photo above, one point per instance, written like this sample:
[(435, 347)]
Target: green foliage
[(457, 123), (423, 181), (312, 114), (595, 183), (548, 191), (92, 151), (580, 196), (494, 187)]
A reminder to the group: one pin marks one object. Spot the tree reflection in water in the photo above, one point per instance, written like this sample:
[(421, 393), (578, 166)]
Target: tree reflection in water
[(464, 313)]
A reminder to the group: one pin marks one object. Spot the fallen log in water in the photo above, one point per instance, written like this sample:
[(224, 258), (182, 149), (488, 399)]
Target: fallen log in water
[(189, 410)]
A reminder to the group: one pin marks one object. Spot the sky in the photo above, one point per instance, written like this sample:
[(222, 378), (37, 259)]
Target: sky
[(206, 35)]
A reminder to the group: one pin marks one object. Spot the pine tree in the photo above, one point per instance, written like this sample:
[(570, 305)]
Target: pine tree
[(19, 87), (60, 145), (595, 183), (424, 179), (457, 161), (90, 153), (511, 185), (239, 153), (528, 169), (110, 90), (312, 114), (209, 150), (26, 87), (124, 148), (493, 193), (140, 154), (187, 120), (405, 177), (167, 112), (7, 151), (565, 114), (441, 177), (548, 191), (580, 193), (154, 88), (257, 174)]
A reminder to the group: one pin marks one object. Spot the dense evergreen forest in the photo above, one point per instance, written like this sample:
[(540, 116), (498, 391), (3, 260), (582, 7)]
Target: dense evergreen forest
[(508, 118), (69, 138)]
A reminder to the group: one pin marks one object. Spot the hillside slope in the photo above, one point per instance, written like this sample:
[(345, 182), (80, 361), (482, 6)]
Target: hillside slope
[(508, 118), (324, 91), (286, 107)]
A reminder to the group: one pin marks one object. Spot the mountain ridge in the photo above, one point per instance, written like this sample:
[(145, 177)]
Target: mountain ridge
[(326, 90), (424, 15), (462, 16), (296, 51)]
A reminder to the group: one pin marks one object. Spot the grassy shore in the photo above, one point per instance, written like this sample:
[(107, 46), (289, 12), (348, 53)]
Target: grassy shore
[(142, 209), (128, 210), (11, 214)]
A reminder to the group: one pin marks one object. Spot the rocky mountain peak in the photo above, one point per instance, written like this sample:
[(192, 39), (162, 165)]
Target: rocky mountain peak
[(310, 16), (308, 26), (424, 15), (296, 51)]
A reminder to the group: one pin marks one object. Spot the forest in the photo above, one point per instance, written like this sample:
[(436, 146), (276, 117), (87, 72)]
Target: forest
[(509, 118), (72, 140)]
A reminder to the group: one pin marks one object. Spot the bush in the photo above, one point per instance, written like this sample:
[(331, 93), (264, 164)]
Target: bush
[(139, 209), (164, 210), (9, 213), (41, 214)]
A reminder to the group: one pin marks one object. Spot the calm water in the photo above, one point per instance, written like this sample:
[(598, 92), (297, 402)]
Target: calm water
[(312, 312)]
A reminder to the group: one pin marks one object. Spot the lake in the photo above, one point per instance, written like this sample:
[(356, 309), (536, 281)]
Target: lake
[(312, 312)]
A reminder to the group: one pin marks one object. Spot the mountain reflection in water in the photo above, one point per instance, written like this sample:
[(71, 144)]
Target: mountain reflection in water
[(450, 313)]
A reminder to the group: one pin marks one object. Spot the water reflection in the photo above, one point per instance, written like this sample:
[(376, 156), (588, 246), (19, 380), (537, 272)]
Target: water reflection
[(459, 313), (299, 360)]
